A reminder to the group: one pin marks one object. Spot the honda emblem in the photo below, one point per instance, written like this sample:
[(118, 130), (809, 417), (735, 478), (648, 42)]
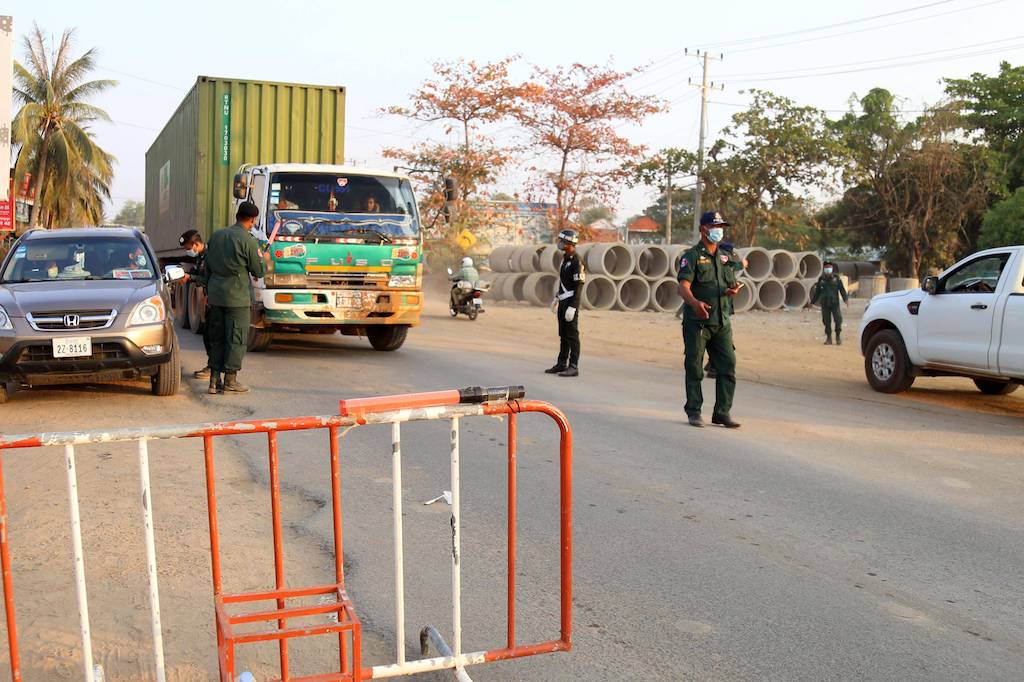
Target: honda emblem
[(71, 321)]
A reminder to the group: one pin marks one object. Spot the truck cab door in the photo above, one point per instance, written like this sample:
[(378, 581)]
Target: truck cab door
[(955, 323), (258, 196)]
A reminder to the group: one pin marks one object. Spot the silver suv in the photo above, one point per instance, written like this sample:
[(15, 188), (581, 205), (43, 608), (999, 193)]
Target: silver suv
[(86, 305)]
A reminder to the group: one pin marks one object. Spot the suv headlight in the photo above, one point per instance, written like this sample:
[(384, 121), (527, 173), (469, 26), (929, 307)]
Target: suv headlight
[(150, 311), (5, 320), (402, 281)]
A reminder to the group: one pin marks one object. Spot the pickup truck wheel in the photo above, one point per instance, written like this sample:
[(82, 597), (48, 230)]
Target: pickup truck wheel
[(387, 337), (259, 339), (168, 375), (996, 387), (886, 363)]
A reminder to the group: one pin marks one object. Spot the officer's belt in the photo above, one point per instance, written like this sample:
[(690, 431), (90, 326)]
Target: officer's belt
[(566, 295)]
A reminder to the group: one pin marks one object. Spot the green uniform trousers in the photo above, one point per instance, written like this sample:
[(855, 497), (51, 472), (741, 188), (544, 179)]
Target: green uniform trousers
[(830, 310), (229, 335), (717, 342)]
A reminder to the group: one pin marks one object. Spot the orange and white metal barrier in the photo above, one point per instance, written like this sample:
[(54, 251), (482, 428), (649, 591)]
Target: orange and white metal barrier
[(335, 604)]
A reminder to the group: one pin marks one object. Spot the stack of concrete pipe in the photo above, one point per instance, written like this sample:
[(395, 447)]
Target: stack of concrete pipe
[(643, 277)]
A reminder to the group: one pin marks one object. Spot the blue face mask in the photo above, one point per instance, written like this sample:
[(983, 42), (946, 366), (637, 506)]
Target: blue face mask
[(715, 234)]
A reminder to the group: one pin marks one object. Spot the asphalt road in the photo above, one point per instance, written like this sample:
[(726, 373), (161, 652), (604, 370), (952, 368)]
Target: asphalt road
[(828, 538)]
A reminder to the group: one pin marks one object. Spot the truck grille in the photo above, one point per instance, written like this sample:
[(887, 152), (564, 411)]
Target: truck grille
[(348, 280), (63, 320)]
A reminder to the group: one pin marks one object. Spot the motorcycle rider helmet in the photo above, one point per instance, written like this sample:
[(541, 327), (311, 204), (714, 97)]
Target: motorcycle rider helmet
[(467, 262)]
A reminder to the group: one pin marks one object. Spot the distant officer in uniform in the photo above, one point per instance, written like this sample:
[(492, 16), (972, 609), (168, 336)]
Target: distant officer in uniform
[(193, 244), (232, 257), (567, 305), (707, 282), (828, 289)]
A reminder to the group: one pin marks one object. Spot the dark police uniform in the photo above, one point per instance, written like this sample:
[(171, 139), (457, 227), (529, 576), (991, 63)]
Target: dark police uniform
[(232, 256), (828, 289), (570, 283), (201, 277), (709, 274)]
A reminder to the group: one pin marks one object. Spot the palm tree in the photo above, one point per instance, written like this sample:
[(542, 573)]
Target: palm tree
[(57, 148)]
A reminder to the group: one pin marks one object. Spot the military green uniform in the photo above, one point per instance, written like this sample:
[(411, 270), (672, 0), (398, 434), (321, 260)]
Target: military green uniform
[(232, 256), (200, 277), (828, 289), (709, 274)]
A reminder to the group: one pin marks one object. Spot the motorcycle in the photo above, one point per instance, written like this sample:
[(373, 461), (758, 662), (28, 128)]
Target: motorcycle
[(467, 298)]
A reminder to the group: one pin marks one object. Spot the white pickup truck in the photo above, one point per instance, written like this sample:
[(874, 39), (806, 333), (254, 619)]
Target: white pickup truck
[(968, 321)]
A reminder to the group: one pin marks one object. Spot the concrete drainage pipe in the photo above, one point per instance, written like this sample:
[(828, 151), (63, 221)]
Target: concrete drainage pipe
[(550, 259), (665, 296), (759, 263), (746, 297), (808, 285), (512, 287), (539, 288), (599, 293), (796, 294), (652, 262), (810, 265), (771, 295), (529, 258), (675, 254), (496, 281), (634, 293), (500, 259), (611, 260), (784, 264)]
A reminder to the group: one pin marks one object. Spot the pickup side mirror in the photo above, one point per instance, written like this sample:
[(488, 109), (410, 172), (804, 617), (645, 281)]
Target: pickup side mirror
[(930, 285), (174, 273), (240, 187)]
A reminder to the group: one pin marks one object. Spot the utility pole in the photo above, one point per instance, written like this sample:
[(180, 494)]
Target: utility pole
[(668, 207), (704, 86)]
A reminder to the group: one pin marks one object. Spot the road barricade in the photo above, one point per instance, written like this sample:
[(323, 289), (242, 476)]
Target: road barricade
[(335, 607)]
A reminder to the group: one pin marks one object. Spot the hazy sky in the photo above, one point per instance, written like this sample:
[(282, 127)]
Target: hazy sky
[(381, 51)]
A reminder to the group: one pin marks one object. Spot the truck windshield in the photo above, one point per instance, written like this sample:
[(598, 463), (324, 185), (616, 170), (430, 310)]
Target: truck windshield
[(58, 258), (332, 193)]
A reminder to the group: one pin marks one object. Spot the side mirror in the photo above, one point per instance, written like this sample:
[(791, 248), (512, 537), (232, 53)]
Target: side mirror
[(240, 188), (174, 273), (930, 285)]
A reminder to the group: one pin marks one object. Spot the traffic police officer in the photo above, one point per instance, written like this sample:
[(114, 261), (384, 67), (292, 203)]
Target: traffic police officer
[(232, 257), (828, 289), (567, 305), (707, 282)]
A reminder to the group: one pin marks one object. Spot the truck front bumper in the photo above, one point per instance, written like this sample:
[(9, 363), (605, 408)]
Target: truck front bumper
[(340, 306)]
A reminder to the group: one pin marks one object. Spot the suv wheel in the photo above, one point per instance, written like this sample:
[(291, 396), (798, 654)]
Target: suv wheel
[(168, 375), (886, 363), (387, 337), (996, 387)]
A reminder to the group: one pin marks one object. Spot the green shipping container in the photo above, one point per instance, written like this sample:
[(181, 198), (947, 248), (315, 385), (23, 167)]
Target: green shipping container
[(221, 124)]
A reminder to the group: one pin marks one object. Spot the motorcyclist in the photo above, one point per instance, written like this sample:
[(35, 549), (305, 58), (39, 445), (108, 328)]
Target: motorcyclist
[(467, 273)]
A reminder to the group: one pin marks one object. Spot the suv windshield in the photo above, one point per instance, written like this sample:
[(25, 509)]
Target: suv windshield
[(57, 258)]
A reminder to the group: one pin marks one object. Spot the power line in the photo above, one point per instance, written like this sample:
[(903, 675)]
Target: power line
[(142, 78)]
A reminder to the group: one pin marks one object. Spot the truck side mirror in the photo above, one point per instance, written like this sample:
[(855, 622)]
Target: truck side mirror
[(930, 285), (241, 186)]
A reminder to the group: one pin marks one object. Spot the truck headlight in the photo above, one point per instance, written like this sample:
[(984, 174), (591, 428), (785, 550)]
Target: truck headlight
[(276, 280), (150, 311), (5, 320), (402, 281)]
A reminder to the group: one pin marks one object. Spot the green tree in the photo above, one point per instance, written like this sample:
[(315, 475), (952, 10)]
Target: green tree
[(131, 213), (70, 172), (663, 171), (1003, 224)]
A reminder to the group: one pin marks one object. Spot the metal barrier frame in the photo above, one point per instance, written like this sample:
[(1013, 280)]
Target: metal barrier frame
[(393, 410)]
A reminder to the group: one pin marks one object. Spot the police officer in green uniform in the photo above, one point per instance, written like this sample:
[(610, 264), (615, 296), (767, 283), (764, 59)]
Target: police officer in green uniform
[(828, 289), (193, 244), (567, 306), (232, 256), (707, 282)]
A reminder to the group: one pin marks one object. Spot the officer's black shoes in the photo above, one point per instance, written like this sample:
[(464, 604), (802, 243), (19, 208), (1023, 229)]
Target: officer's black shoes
[(557, 369), (215, 383), (203, 373), (839, 339), (725, 420), (695, 420), (232, 385), (828, 340), (570, 371)]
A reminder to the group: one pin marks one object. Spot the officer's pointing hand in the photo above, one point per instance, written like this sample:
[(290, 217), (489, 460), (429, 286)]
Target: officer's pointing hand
[(570, 314)]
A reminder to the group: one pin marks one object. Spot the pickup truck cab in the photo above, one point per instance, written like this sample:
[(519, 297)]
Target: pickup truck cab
[(968, 321)]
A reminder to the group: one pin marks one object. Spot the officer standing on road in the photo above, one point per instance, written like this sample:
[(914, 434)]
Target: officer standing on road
[(828, 289), (567, 305), (193, 244), (707, 282), (233, 256)]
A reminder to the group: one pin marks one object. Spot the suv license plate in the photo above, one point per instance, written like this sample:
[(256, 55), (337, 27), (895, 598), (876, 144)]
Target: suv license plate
[(348, 300), (72, 347)]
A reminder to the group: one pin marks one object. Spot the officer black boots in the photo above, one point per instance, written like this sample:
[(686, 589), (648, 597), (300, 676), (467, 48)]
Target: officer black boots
[(215, 383), (828, 340), (839, 338), (557, 369), (232, 385)]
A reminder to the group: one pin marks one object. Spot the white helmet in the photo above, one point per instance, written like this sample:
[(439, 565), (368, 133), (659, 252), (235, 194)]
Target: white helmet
[(467, 262)]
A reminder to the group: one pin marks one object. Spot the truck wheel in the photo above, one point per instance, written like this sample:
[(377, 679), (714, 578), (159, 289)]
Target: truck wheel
[(196, 304), (259, 339), (168, 375), (996, 386), (181, 304), (3, 392), (886, 363), (387, 337)]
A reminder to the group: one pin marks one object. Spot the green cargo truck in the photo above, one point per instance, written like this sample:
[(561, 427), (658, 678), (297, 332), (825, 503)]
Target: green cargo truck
[(345, 243)]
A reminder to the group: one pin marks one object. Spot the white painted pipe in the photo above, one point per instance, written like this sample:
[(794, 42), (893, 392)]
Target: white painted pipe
[(500, 258), (611, 260), (771, 295), (652, 262), (746, 297), (599, 293), (539, 288), (665, 296), (759, 263), (151, 574), (456, 545), (550, 259), (634, 294), (396, 505), (79, 562), (796, 294), (785, 266), (810, 265)]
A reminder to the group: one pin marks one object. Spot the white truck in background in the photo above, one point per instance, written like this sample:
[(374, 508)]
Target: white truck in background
[(968, 321)]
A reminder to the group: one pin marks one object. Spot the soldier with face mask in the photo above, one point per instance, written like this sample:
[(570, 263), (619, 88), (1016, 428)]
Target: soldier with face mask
[(828, 289), (194, 247)]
